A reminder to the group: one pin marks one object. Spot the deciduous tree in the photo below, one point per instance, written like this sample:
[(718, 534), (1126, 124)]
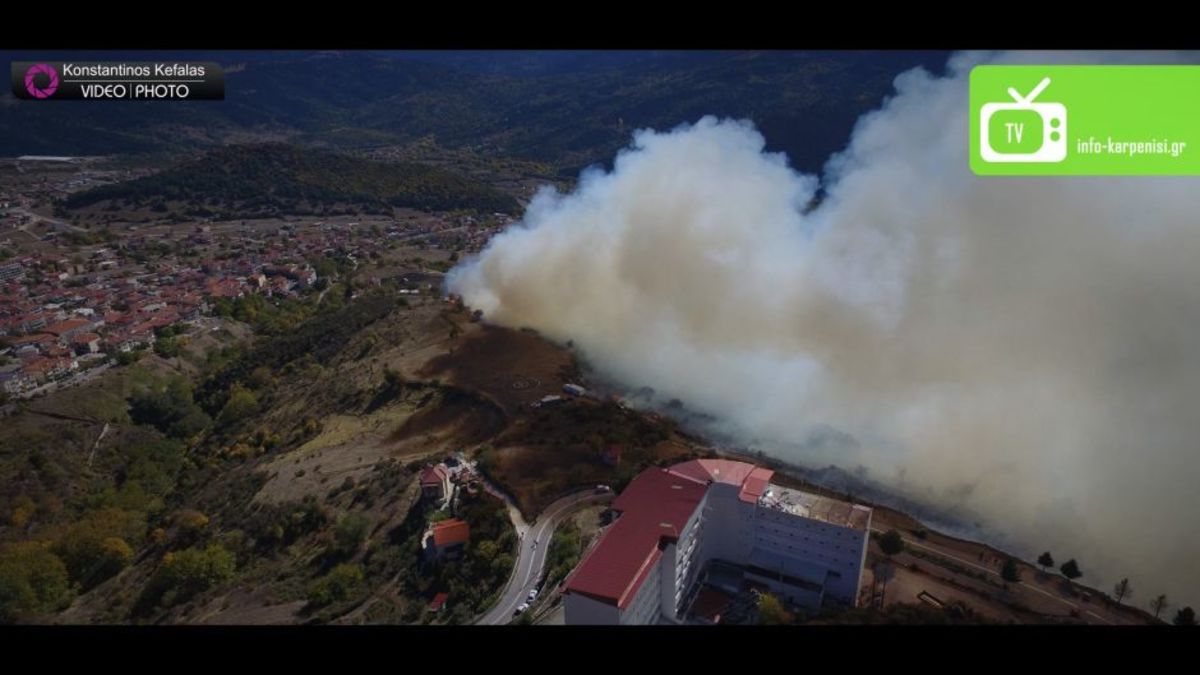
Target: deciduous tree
[(33, 581), (1122, 590), (1010, 572), (891, 543), (771, 611), (1070, 569), (1158, 604)]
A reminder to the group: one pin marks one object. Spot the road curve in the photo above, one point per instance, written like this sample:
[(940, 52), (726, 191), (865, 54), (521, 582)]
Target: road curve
[(531, 560)]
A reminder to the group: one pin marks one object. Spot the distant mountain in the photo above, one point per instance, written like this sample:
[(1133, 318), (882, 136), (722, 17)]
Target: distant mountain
[(568, 108), (242, 181)]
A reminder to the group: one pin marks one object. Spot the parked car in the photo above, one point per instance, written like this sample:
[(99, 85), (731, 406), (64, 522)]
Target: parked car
[(533, 595)]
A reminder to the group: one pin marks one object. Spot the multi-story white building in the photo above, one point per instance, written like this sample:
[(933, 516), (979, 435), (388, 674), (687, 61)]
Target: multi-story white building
[(804, 547)]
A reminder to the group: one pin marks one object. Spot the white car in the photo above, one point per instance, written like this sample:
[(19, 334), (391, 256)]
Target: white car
[(533, 595), (524, 606)]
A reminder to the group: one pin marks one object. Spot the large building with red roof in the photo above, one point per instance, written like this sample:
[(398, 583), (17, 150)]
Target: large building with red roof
[(647, 567)]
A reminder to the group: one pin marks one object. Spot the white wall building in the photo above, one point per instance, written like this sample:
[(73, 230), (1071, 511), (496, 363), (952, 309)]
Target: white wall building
[(805, 547)]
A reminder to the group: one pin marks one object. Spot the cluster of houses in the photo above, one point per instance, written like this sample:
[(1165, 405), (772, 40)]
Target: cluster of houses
[(56, 314), (441, 485), (50, 339), (61, 311)]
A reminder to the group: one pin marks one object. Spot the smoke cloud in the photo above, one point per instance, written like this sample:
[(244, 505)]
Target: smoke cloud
[(1024, 349)]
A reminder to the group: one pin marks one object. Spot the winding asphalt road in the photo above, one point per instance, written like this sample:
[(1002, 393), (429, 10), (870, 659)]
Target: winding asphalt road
[(531, 559)]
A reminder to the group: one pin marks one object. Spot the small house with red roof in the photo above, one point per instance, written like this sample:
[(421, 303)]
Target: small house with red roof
[(447, 539), (433, 482), (65, 330), (438, 602), (86, 343)]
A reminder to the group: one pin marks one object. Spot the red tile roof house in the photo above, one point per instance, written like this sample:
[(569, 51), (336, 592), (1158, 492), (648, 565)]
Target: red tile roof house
[(447, 538), (648, 566), (69, 328), (39, 341), (43, 369), (439, 601), (65, 330), (128, 340), (36, 321), (225, 288), (433, 482), (86, 343)]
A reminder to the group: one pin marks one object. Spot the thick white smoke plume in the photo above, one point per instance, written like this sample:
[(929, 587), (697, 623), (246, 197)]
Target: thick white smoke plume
[(1027, 349)]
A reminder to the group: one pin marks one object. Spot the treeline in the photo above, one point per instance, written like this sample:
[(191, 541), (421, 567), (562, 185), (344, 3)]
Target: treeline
[(261, 180), (266, 316)]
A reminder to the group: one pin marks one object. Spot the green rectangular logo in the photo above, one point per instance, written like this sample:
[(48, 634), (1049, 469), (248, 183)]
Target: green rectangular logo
[(1085, 120)]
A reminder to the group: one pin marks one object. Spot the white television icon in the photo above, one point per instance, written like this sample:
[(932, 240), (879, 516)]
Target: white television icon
[(1054, 128)]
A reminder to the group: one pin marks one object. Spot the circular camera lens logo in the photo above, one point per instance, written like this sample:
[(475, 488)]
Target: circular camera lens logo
[(41, 80)]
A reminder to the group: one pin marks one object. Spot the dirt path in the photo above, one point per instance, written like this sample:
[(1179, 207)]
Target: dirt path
[(92, 454)]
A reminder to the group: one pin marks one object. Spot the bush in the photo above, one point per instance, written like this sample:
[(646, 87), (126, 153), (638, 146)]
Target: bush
[(170, 408), (130, 357), (191, 519), (891, 543), (96, 548), (563, 554), (338, 585), (167, 348), (350, 533), (273, 525), (241, 404), (186, 573), (771, 611), (33, 581)]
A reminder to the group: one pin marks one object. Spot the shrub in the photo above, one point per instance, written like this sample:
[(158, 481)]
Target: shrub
[(32, 581), (338, 585), (350, 533), (96, 548), (170, 408), (186, 573), (241, 404), (891, 543), (771, 611)]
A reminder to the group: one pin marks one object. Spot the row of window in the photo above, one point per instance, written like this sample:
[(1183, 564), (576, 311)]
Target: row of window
[(646, 604), (792, 534), (807, 551), (807, 523)]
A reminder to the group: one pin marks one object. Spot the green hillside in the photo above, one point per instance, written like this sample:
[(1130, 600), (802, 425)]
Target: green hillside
[(245, 181)]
